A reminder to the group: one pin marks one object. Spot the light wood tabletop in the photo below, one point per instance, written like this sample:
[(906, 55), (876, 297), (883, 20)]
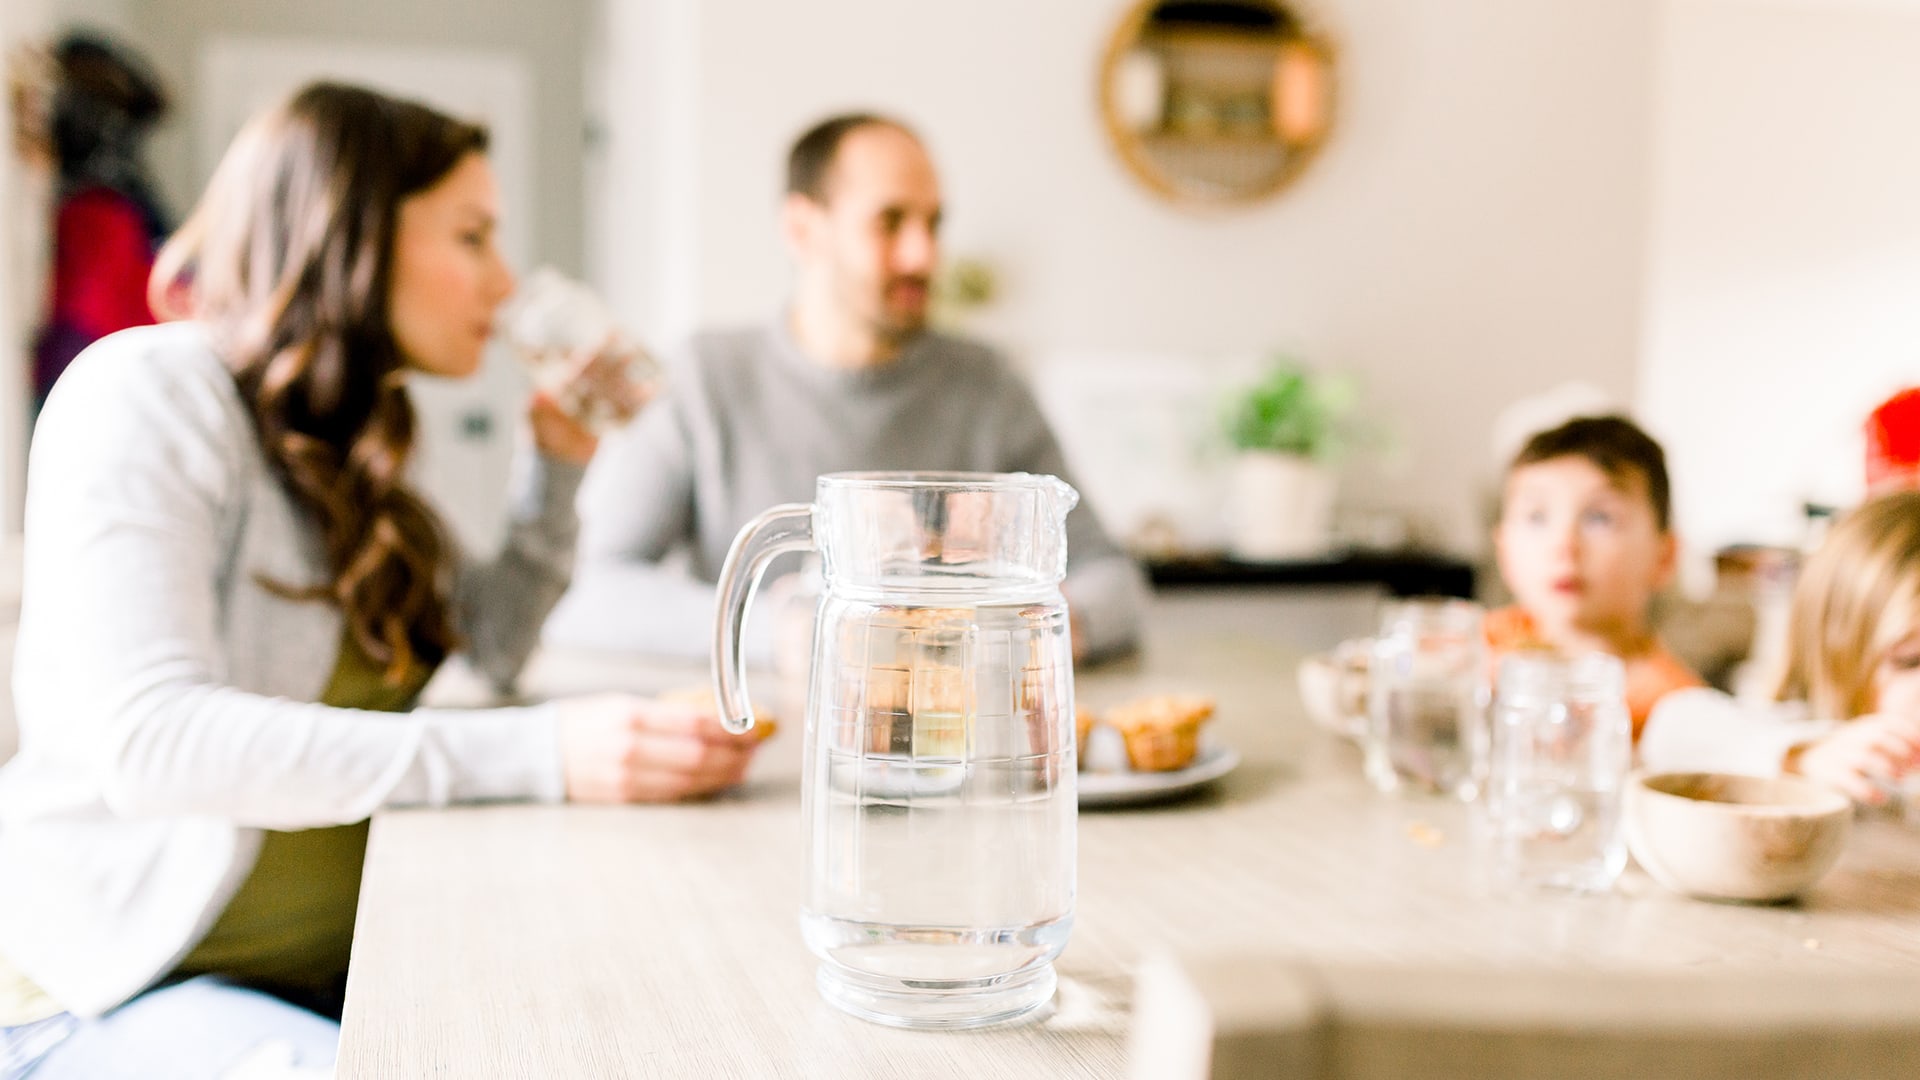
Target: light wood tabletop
[(580, 942)]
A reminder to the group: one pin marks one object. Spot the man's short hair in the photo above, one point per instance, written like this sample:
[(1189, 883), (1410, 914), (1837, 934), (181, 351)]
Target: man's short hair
[(811, 159), (1613, 444)]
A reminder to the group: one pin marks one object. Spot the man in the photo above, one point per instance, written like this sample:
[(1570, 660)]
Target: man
[(848, 377)]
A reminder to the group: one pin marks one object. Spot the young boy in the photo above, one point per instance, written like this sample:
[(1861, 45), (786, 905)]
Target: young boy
[(1584, 543)]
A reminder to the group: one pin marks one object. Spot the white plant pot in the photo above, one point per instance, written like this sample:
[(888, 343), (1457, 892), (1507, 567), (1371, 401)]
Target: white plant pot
[(1279, 507)]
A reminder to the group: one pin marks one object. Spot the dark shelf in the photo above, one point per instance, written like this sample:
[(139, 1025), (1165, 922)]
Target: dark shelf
[(1401, 574)]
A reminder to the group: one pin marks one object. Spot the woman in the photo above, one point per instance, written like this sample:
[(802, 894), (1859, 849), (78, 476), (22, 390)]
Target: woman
[(231, 580)]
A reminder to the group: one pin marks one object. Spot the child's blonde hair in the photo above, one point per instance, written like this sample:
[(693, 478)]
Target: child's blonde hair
[(1858, 597)]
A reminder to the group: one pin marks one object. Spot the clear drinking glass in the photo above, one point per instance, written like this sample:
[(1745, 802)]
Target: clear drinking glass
[(1426, 699), (1562, 748), (1333, 686), (549, 321), (938, 785)]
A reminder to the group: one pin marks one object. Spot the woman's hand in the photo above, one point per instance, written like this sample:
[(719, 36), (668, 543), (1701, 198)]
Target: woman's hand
[(592, 388), (618, 748), (1864, 759), (559, 435)]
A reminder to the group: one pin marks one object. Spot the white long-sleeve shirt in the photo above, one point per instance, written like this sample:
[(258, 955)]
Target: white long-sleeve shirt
[(1703, 730), (748, 422), (165, 696)]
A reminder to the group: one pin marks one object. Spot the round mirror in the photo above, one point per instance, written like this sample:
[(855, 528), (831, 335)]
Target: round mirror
[(1216, 101)]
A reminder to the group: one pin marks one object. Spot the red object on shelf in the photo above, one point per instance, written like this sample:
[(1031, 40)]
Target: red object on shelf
[(1893, 442)]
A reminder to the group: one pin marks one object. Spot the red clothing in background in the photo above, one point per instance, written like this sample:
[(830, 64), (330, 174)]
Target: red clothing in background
[(1893, 442), (102, 255), (1650, 676)]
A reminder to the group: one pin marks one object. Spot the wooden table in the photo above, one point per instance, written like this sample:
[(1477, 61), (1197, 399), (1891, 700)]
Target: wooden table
[(662, 941)]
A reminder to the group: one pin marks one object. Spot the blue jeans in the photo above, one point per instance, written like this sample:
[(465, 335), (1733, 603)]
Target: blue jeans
[(200, 1029)]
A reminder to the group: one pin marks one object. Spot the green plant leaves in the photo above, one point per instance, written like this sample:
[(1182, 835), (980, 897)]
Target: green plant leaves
[(1292, 410)]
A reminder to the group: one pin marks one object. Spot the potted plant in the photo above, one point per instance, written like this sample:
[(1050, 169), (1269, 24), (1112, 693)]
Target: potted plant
[(1280, 493)]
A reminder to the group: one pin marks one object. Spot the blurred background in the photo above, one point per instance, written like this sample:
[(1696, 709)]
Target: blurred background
[(1701, 210)]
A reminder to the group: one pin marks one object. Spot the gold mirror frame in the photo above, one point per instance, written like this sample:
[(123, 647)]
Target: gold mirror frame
[(1302, 73)]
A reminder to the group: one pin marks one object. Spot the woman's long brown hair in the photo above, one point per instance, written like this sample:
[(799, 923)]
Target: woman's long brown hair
[(288, 258)]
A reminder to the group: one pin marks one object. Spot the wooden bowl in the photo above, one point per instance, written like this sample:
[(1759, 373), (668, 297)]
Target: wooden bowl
[(1723, 837)]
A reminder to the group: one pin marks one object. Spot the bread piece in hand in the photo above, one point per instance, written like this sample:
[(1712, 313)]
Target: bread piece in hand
[(764, 725)]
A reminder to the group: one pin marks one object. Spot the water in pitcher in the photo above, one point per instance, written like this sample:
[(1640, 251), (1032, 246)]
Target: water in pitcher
[(941, 813)]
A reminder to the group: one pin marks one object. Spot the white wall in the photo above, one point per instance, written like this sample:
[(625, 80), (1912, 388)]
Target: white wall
[(22, 204), (1784, 282), (549, 36), (23, 242), (114, 17), (1472, 234), (643, 251)]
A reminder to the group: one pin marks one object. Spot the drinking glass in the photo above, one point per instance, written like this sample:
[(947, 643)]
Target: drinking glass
[(1426, 699), (1333, 685), (551, 322), (1562, 748)]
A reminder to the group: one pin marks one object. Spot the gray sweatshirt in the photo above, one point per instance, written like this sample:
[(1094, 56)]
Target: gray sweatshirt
[(749, 421)]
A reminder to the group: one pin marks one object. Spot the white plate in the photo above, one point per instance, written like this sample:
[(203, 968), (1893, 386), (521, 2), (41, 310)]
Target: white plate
[(1128, 788)]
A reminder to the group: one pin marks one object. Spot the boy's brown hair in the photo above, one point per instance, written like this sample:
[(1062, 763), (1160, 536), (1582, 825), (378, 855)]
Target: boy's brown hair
[(1613, 444)]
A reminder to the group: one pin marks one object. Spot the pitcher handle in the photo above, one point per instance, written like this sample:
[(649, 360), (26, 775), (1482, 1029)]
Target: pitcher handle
[(788, 527)]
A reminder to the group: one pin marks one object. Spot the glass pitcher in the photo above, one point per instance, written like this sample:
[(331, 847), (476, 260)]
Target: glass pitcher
[(938, 785)]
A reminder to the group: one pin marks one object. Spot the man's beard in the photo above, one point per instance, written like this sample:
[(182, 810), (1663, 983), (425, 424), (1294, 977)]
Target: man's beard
[(898, 327), (865, 305), (898, 324)]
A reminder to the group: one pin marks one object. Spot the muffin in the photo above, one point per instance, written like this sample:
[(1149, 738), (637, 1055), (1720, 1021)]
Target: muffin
[(1162, 733)]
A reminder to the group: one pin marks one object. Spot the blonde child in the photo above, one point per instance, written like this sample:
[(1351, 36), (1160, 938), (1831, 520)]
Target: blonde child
[(1584, 543), (1848, 712)]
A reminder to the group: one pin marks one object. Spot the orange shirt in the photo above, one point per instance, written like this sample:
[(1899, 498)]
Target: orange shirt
[(1650, 676)]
